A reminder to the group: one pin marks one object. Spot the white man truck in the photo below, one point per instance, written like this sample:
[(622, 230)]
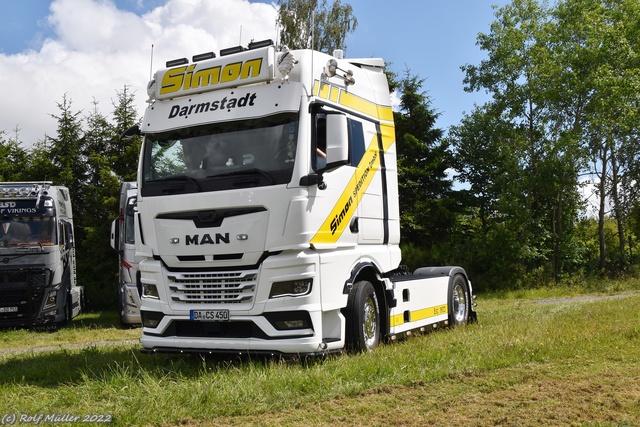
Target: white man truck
[(37, 256), (268, 213), (123, 241)]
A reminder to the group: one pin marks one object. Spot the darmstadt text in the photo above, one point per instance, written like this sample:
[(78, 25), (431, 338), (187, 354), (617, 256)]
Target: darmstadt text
[(226, 103)]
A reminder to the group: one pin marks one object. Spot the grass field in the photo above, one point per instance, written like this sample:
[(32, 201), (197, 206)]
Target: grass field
[(551, 357)]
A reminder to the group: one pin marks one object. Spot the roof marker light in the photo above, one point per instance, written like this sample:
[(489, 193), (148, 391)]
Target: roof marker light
[(176, 62), (231, 50), (261, 43), (203, 56)]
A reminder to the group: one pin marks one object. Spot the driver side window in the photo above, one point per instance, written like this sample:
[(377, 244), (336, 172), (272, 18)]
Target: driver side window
[(320, 142)]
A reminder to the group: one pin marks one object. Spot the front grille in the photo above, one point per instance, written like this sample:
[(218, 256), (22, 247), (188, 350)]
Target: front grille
[(228, 287), (22, 289)]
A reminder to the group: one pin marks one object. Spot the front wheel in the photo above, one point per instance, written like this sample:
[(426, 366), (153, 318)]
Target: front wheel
[(459, 301), (363, 318)]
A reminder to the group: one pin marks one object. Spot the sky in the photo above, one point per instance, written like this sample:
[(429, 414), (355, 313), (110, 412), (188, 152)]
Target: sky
[(88, 50)]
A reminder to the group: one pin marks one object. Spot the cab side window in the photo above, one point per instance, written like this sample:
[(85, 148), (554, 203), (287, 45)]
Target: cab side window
[(356, 136), (320, 142), (356, 142), (61, 234)]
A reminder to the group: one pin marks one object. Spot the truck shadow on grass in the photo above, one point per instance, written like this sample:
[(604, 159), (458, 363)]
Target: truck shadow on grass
[(122, 363)]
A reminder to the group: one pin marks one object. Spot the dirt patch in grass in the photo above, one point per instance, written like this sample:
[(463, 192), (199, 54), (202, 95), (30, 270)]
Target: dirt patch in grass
[(586, 298), (526, 396)]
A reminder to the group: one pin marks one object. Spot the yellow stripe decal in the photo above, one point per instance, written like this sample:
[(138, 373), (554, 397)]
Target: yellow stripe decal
[(416, 315), (349, 100), (396, 320), (388, 136), (385, 113), (355, 102), (344, 209), (335, 94)]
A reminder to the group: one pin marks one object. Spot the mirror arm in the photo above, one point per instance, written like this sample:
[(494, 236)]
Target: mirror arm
[(313, 179)]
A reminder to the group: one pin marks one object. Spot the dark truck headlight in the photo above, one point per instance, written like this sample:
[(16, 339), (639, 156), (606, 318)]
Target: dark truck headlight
[(291, 288), (51, 300)]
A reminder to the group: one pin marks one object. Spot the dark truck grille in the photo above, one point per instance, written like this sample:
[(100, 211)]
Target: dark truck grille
[(21, 294)]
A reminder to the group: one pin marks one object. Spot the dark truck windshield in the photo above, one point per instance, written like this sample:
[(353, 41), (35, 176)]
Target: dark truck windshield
[(27, 231), (220, 156)]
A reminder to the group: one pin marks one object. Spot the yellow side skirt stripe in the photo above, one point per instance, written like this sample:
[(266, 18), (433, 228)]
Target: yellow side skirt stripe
[(417, 315)]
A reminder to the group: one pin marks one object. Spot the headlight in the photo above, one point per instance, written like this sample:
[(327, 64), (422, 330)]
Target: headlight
[(50, 301), (291, 288), (150, 291)]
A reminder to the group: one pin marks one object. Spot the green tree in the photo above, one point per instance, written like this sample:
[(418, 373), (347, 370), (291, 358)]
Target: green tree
[(532, 125), (110, 161), (99, 267), (123, 153), (564, 87), (68, 154), (605, 40), (12, 158), (427, 203), (306, 24)]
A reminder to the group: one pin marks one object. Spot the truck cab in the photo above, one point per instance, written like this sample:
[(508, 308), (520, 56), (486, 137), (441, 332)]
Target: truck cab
[(123, 241), (37, 248)]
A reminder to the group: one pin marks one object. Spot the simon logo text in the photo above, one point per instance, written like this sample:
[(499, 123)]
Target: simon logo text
[(187, 77)]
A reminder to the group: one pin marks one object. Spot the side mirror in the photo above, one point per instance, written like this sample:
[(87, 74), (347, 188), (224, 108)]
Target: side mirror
[(132, 205), (335, 149), (130, 133), (114, 233), (70, 240), (337, 140)]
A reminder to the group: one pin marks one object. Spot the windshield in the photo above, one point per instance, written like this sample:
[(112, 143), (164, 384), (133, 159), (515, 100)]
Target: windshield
[(221, 156), (26, 231)]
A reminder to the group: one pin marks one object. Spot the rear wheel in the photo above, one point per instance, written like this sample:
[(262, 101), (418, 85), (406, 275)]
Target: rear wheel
[(363, 318), (68, 309), (459, 301)]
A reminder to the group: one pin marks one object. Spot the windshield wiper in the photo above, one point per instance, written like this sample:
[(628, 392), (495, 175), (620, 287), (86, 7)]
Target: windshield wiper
[(182, 177), (251, 171)]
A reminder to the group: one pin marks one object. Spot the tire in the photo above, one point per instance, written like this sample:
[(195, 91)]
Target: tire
[(363, 318), (459, 301), (123, 324), (83, 301), (68, 310)]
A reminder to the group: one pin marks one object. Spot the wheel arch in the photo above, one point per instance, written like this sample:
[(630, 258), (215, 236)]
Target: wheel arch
[(369, 271), (452, 272)]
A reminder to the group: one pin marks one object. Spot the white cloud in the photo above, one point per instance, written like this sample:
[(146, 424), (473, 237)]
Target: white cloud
[(96, 49)]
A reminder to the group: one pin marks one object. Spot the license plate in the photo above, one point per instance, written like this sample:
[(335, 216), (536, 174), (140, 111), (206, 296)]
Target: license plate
[(210, 315), (8, 309)]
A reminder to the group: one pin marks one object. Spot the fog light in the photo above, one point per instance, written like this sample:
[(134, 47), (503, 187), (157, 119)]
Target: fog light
[(291, 324), (51, 301), (286, 320), (291, 288), (150, 291), (151, 319)]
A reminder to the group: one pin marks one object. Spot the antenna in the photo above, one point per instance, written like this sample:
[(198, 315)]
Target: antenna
[(313, 15), (151, 65), (313, 24), (240, 41)]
